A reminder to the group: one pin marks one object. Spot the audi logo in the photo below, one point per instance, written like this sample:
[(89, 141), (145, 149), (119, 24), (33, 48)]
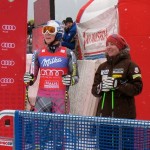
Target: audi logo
[(7, 45), (7, 62), (7, 27), (49, 72), (7, 80)]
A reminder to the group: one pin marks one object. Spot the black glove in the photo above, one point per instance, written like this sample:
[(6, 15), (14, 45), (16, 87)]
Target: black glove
[(28, 78), (67, 80)]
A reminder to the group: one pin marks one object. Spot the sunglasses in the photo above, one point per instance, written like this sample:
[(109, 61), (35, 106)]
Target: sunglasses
[(49, 29)]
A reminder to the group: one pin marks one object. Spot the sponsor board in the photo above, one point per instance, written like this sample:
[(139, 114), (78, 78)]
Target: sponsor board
[(7, 45), (7, 62), (6, 142), (8, 27)]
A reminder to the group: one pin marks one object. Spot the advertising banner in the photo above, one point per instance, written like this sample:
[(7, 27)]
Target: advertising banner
[(13, 34), (92, 33), (134, 25)]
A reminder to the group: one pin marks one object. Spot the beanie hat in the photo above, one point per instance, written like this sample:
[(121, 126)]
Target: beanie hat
[(68, 19), (117, 40)]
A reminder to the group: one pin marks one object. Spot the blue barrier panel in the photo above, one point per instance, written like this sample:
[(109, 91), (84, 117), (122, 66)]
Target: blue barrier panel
[(45, 131)]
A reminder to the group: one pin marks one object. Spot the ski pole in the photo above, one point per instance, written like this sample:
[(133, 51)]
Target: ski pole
[(112, 102), (66, 97), (103, 102), (27, 100), (66, 100), (112, 106)]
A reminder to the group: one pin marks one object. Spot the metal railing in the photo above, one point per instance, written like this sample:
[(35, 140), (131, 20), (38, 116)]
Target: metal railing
[(45, 131)]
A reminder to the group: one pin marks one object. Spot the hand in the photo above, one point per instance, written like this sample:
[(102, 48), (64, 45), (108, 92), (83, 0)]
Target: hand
[(67, 80), (102, 87), (28, 78), (110, 83), (106, 85)]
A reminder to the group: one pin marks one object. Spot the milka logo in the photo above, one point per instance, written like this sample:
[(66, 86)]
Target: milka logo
[(48, 62)]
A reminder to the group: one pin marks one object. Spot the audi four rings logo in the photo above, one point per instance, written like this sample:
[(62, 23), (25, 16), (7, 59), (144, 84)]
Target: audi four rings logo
[(7, 80), (7, 45), (53, 72), (8, 27), (7, 63)]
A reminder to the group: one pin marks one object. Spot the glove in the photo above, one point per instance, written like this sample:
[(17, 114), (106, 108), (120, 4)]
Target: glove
[(102, 87), (67, 80), (28, 78), (99, 88), (110, 83)]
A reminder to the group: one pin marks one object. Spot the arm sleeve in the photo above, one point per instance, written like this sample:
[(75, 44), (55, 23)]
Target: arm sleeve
[(69, 37), (69, 45), (97, 81), (73, 69), (134, 84), (34, 67)]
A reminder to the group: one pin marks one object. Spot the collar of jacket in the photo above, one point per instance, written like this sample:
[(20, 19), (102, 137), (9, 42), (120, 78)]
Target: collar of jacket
[(124, 54), (53, 48)]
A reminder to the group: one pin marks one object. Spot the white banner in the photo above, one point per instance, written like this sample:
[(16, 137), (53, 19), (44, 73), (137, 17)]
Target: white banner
[(92, 33)]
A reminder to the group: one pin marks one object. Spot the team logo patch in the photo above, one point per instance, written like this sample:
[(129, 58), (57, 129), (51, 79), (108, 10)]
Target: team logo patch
[(117, 76), (104, 77), (137, 76), (43, 50), (62, 51), (104, 72), (50, 61), (118, 70), (136, 70), (51, 84)]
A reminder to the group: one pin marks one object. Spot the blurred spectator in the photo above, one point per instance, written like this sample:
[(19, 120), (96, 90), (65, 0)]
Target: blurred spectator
[(64, 23), (70, 30), (30, 26)]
